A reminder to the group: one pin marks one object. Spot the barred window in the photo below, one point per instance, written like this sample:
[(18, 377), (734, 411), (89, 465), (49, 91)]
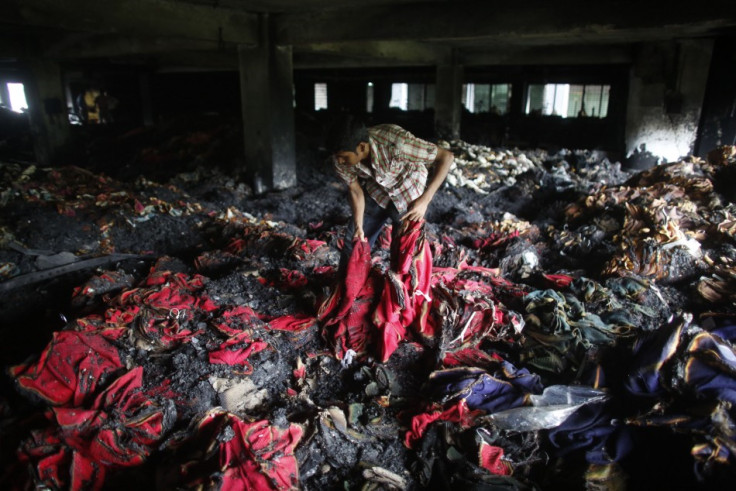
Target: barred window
[(320, 96), (568, 101)]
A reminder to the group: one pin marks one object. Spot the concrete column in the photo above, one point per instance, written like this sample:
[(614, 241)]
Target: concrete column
[(266, 85), (448, 101), (666, 90), (48, 111)]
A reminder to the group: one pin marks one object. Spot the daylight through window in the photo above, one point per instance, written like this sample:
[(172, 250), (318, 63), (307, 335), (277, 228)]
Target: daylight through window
[(568, 101), (17, 95), (320, 96), (487, 98)]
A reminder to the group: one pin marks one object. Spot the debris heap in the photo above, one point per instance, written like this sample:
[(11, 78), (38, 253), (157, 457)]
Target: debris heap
[(558, 322)]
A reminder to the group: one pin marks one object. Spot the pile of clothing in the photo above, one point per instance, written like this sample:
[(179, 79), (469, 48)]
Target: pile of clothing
[(566, 350)]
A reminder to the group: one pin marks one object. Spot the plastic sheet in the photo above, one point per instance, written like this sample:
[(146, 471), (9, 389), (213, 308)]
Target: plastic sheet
[(549, 409)]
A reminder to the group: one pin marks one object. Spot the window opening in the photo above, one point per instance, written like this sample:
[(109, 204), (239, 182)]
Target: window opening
[(17, 96), (320, 96), (568, 100), (369, 97), (399, 96), (485, 98)]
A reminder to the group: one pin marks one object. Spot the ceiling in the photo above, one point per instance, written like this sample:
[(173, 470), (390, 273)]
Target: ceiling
[(329, 33)]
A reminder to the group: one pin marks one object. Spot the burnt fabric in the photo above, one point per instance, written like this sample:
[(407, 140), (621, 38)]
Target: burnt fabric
[(405, 297), (70, 368), (236, 350), (490, 457), (253, 456), (164, 309), (470, 314), (233, 321), (345, 315), (505, 387), (699, 366), (121, 428), (687, 357), (592, 429), (455, 413)]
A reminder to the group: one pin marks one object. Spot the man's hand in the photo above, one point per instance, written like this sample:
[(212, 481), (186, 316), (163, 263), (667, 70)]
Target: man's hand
[(415, 213), (359, 234), (418, 208)]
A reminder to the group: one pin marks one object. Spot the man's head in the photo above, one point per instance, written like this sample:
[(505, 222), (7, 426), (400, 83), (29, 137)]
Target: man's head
[(347, 140)]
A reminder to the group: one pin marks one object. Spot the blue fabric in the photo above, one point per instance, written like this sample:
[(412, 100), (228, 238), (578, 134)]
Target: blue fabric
[(591, 429), (505, 388)]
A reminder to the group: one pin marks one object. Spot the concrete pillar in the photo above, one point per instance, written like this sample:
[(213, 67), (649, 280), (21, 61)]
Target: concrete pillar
[(448, 101), (666, 90), (48, 111), (266, 85)]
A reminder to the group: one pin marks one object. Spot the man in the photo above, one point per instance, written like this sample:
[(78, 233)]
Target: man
[(393, 167)]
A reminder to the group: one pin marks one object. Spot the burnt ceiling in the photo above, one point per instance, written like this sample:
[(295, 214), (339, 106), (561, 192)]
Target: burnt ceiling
[(325, 33)]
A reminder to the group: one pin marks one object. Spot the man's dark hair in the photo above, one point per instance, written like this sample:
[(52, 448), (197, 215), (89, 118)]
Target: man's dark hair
[(345, 134)]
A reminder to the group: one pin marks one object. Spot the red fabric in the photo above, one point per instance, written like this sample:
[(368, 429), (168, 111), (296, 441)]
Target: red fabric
[(164, 308), (384, 239), (457, 413), (258, 456), (405, 297), (293, 323), (559, 280), (234, 321), (346, 313), (70, 368), (121, 428), (238, 356), (494, 240), (293, 279), (309, 245), (470, 357), (491, 457)]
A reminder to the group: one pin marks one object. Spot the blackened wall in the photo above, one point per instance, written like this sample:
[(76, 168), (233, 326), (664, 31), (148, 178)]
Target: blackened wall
[(718, 118)]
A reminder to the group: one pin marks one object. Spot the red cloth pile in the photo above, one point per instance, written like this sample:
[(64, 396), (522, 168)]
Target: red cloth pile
[(366, 310), (470, 312), (120, 428), (346, 313), (405, 298), (164, 308), (242, 456), (70, 368)]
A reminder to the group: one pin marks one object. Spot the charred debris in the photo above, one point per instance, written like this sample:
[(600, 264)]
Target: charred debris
[(160, 326)]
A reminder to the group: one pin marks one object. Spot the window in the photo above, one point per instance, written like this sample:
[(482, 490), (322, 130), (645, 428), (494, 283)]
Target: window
[(399, 96), (369, 97), (412, 97), (17, 96), (568, 101), (484, 98), (320, 96)]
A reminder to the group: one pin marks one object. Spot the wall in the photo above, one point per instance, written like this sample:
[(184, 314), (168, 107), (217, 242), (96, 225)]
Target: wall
[(666, 90)]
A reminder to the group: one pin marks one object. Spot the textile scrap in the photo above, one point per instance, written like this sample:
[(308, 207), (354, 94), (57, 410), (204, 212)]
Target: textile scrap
[(405, 299)]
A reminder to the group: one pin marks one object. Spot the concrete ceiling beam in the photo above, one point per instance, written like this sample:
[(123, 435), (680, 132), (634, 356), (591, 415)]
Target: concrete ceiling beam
[(75, 46), (371, 53), (144, 18), (515, 23)]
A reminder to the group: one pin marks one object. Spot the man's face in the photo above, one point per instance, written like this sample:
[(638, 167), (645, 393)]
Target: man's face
[(347, 158), (362, 152)]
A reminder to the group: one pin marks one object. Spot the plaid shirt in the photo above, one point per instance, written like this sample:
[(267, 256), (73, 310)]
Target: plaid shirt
[(398, 166)]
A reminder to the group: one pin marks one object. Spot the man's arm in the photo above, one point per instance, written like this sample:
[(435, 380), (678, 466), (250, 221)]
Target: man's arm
[(357, 204), (418, 207)]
